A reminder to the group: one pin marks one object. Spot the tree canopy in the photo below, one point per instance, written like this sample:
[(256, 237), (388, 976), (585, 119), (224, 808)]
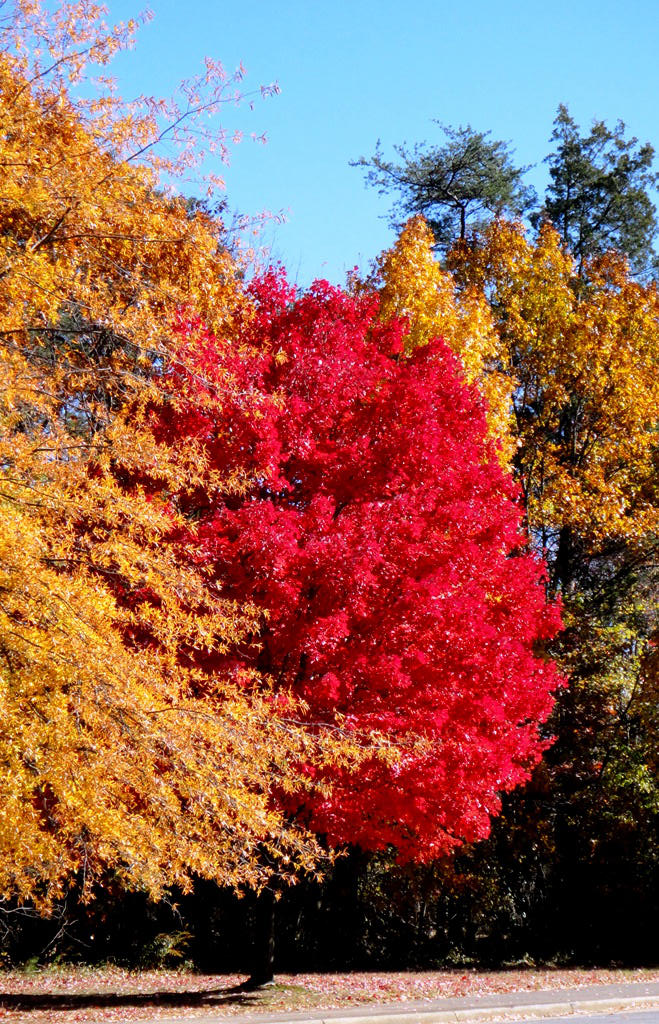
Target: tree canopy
[(580, 344), (599, 196), (584, 387), (379, 538), (109, 759), (281, 570), (458, 187), (155, 728), (599, 193)]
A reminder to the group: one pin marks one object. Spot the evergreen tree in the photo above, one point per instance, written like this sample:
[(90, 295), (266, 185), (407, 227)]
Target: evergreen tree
[(598, 196), (458, 186)]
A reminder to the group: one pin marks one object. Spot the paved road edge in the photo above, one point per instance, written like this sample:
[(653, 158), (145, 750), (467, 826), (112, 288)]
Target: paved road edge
[(469, 1015)]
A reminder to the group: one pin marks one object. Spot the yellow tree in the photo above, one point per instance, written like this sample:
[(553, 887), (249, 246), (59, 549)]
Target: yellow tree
[(414, 286), (568, 366), (581, 351), (582, 357), (114, 754), (575, 359)]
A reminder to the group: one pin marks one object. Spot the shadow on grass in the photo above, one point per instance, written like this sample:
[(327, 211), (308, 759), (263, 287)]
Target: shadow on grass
[(238, 997)]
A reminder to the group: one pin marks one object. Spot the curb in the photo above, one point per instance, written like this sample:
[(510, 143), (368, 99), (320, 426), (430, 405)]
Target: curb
[(514, 1011), (509, 1011)]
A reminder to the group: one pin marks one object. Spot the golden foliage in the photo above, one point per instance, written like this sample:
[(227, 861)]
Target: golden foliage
[(107, 759), (582, 355), (85, 230), (414, 286), (113, 753)]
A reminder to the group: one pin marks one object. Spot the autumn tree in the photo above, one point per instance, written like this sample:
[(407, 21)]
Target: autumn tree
[(582, 362), (412, 285), (580, 343), (574, 360), (380, 541), (115, 754), (458, 187)]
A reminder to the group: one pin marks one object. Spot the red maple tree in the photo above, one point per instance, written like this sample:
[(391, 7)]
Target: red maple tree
[(374, 526)]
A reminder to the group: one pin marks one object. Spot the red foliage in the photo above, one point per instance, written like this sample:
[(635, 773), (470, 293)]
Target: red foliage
[(381, 539)]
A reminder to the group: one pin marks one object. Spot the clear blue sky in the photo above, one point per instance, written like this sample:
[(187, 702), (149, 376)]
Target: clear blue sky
[(354, 72)]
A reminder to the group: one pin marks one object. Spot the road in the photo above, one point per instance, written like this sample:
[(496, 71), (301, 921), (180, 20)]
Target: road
[(625, 1003)]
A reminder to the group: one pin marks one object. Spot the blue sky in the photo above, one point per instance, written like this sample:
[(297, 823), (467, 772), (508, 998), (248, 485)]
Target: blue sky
[(354, 72)]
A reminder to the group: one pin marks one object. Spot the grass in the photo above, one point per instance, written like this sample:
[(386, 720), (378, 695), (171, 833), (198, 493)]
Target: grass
[(82, 995)]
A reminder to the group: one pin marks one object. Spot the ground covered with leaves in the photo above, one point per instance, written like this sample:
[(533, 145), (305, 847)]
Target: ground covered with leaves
[(67, 995)]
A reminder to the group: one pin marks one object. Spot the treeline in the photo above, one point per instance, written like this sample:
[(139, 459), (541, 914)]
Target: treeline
[(283, 573)]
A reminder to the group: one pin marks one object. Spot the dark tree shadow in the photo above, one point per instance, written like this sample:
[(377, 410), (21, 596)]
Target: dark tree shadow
[(238, 996)]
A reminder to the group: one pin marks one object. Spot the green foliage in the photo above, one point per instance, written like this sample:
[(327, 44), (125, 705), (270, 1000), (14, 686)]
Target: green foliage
[(599, 194), (166, 949), (459, 185)]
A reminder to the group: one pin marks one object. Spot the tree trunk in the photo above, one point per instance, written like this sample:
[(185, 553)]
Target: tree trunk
[(562, 573), (346, 923), (263, 948), (463, 223)]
